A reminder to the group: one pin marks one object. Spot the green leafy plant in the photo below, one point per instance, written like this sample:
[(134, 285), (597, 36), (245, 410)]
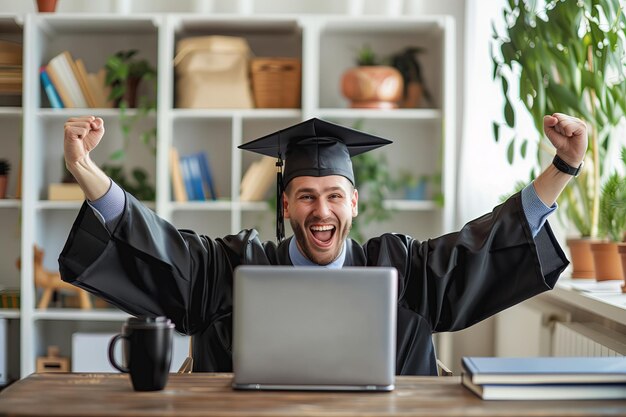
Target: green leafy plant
[(366, 56), (124, 73), (613, 206), (568, 57), (375, 183), (409, 66)]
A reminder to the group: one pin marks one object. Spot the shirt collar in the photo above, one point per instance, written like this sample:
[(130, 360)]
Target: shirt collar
[(298, 259)]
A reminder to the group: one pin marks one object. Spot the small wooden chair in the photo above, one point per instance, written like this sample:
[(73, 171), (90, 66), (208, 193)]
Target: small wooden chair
[(187, 366), (443, 369), (51, 281)]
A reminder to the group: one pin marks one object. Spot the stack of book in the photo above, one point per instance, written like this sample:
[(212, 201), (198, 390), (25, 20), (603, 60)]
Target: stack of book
[(67, 84), (192, 179), (546, 378), (10, 67)]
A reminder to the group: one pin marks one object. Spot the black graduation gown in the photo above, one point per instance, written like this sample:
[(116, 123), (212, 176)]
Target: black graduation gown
[(148, 267)]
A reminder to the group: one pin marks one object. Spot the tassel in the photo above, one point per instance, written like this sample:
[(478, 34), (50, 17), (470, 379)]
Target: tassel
[(280, 221)]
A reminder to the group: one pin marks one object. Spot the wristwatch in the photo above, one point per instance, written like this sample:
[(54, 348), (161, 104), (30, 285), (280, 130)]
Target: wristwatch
[(563, 166)]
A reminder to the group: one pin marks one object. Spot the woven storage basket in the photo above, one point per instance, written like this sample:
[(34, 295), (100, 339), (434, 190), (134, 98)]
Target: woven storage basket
[(276, 82)]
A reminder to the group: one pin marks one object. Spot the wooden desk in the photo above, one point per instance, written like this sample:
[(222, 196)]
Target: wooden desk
[(212, 395)]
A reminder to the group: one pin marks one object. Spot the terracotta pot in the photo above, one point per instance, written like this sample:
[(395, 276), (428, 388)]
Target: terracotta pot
[(581, 257), (3, 186), (46, 6), (606, 260), (375, 87), (621, 248)]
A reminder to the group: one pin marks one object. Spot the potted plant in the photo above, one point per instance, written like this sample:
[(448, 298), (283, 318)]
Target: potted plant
[(124, 74), (611, 227), (5, 167), (414, 90), (567, 57), (371, 84)]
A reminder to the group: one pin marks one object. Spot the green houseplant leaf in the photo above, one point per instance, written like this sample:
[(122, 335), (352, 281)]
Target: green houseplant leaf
[(124, 72), (568, 56)]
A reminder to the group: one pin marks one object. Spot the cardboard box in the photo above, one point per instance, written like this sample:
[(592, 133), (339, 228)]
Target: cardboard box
[(65, 192), (212, 72)]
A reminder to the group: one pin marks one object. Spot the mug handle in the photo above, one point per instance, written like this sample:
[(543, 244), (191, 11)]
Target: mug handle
[(111, 353)]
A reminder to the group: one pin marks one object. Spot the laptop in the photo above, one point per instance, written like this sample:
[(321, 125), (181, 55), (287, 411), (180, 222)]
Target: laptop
[(311, 328)]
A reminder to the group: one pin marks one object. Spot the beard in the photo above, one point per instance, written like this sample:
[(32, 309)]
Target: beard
[(307, 248)]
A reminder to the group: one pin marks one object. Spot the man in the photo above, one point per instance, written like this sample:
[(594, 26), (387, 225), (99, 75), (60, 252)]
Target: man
[(124, 253)]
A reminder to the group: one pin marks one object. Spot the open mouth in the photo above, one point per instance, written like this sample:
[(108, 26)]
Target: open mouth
[(322, 234)]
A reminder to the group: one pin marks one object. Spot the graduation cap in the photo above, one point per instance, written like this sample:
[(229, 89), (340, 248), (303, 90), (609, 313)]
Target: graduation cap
[(315, 148)]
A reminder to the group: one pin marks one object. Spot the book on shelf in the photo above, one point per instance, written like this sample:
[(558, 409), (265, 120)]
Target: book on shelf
[(258, 179), (100, 90), (545, 370), (178, 186), (64, 75), (83, 79), (186, 174), (571, 391), (51, 92), (207, 177), (11, 53), (192, 178)]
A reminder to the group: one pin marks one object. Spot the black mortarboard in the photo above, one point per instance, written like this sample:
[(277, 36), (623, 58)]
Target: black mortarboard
[(312, 148)]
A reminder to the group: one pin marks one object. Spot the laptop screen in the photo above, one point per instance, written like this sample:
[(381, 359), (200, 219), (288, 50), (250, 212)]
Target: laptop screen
[(314, 328)]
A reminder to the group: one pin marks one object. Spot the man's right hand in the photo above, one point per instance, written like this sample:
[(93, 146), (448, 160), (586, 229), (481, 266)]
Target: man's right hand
[(82, 135)]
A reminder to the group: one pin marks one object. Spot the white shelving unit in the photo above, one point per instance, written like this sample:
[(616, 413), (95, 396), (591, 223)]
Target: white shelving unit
[(424, 138)]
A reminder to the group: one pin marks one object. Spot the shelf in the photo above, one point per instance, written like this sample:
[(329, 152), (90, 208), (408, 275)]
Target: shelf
[(10, 111), (9, 313), (54, 114), (99, 23), (411, 205), (249, 114), (203, 205), (10, 203), (237, 23), (73, 314), (323, 42), (392, 114)]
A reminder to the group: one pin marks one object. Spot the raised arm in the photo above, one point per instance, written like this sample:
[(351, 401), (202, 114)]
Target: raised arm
[(82, 135), (569, 137)]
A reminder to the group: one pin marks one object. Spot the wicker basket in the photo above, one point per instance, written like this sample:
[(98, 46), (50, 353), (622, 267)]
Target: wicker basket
[(276, 82)]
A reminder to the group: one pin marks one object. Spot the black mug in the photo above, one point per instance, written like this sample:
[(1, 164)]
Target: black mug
[(147, 351)]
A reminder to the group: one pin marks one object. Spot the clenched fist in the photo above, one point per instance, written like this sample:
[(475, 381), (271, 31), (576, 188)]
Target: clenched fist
[(82, 135), (568, 135)]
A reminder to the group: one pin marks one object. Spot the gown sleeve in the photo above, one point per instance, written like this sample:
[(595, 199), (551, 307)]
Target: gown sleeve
[(148, 267), (491, 264)]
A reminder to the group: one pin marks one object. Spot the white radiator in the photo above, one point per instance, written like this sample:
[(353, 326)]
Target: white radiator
[(586, 339)]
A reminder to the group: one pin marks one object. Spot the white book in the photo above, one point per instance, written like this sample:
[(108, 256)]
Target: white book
[(65, 71)]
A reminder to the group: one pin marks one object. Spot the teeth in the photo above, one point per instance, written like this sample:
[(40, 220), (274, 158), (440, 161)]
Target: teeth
[(322, 228)]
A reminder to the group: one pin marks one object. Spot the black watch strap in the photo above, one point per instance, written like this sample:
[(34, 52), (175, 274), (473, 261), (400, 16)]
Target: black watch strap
[(563, 166)]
